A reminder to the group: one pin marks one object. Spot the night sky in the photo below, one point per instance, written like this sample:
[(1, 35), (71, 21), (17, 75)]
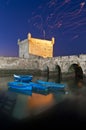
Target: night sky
[(63, 19)]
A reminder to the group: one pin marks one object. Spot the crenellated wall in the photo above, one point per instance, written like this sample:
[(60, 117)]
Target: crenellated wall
[(32, 47), (40, 47)]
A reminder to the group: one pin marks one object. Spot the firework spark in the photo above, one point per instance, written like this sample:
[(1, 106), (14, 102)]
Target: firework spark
[(63, 15)]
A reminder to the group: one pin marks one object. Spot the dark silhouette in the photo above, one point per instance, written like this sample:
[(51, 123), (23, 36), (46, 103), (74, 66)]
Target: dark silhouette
[(47, 73), (59, 75)]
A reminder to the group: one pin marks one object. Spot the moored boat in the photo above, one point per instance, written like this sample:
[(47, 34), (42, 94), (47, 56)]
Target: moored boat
[(20, 86), (26, 86), (25, 92), (23, 78), (38, 86), (51, 84)]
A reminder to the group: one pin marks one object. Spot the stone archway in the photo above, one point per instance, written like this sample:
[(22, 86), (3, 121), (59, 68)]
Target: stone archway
[(45, 72), (76, 71), (58, 74)]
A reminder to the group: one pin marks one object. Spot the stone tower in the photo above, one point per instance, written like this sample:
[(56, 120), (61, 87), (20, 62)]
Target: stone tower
[(35, 47)]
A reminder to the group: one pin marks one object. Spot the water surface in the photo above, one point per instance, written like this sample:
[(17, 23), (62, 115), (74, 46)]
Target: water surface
[(24, 105)]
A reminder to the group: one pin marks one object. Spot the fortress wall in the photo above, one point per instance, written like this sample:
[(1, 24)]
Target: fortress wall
[(23, 48), (17, 63), (64, 63), (43, 48)]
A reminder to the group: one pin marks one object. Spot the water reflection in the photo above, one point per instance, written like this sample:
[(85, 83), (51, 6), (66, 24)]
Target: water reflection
[(38, 103), (80, 84), (31, 103), (37, 100), (29, 93)]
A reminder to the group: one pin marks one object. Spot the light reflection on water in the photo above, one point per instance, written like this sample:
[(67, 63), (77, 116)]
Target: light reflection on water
[(30, 104), (38, 102)]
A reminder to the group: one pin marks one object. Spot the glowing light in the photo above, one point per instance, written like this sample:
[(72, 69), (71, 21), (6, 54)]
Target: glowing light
[(66, 1), (75, 37), (82, 4), (38, 100), (64, 15)]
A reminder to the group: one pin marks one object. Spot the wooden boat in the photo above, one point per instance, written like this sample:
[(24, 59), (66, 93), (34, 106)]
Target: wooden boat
[(20, 86), (25, 92), (51, 84), (23, 78), (44, 82), (38, 86), (43, 92), (26, 86)]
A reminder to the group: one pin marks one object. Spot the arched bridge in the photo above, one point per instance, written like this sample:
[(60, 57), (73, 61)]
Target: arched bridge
[(64, 63)]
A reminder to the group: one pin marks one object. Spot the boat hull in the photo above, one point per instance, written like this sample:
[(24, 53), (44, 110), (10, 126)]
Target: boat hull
[(25, 92), (38, 86), (26, 86), (51, 84), (20, 86), (23, 78)]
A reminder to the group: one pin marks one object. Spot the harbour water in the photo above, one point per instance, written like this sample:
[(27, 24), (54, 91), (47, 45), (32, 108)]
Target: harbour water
[(25, 105)]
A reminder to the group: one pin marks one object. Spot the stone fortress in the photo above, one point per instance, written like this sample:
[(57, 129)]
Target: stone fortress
[(32, 47), (37, 54)]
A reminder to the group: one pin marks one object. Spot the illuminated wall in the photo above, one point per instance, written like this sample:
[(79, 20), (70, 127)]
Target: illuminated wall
[(40, 47)]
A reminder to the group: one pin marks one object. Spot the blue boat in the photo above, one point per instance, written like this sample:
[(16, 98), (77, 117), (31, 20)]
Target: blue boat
[(26, 86), (42, 92), (51, 84), (20, 86), (29, 93), (23, 78), (44, 82), (38, 86)]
